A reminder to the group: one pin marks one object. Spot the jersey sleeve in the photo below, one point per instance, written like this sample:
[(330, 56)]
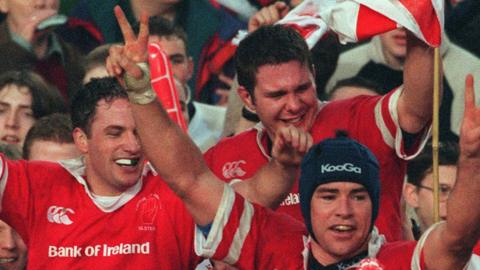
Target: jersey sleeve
[(251, 237), (14, 194), (387, 121)]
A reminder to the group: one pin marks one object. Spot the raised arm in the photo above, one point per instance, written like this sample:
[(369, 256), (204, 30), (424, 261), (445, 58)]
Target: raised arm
[(450, 245), (415, 103), (172, 153)]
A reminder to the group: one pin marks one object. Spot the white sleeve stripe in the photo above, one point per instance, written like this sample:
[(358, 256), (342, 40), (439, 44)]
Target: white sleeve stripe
[(387, 136), (208, 247), (415, 264), (3, 178), (241, 234)]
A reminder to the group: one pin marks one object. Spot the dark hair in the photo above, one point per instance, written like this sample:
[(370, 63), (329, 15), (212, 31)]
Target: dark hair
[(85, 101), (45, 98), (357, 82), (56, 127), (269, 45), (420, 166), (162, 27), (325, 55), (96, 57)]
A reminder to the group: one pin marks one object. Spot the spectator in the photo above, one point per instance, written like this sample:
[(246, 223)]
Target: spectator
[(461, 24), (206, 121), (42, 50), (382, 61), (418, 191), (13, 252), (50, 139), (24, 97), (95, 63)]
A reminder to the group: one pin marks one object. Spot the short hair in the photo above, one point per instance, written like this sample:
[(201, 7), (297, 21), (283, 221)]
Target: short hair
[(420, 166), (85, 101), (269, 45), (56, 127), (162, 27), (97, 57), (45, 98)]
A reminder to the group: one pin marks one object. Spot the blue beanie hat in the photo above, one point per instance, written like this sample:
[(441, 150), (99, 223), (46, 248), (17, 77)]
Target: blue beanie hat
[(339, 159)]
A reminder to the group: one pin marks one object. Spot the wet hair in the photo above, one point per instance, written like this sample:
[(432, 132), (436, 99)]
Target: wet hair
[(85, 101), (46, 99), (55, 127), (269, 45), (420, 166)]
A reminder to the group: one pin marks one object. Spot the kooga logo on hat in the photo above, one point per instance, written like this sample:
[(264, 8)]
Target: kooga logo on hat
[(346, 167)]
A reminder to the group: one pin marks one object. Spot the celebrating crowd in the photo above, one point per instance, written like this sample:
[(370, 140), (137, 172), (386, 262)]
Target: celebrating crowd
[(95, 174)]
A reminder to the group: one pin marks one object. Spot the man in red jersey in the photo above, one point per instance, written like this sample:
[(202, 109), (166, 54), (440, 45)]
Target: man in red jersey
[(109, 209), (276, 80)]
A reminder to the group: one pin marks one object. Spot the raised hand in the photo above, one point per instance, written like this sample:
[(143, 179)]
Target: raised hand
[(470, 129), (290, 145), (268, 15), (123, 58)]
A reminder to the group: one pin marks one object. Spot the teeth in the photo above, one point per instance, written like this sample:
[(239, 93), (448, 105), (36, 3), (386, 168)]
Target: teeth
[(7, 260), (126, 162), (343, 228)]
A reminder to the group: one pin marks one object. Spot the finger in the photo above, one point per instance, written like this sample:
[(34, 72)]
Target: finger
[(131, 68), (114, 57), (225, 79), (282, 9), (469, 94), (144, 31), (273, 15), (303, 140), (127, 32), (295, 137)]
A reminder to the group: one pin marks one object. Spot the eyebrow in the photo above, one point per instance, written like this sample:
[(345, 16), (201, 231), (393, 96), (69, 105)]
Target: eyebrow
[(335, 190), (2, 103)]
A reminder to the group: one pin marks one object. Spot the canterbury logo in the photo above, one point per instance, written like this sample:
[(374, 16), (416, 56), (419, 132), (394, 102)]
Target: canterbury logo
[(347, 167), (57, 214), (232, 169)]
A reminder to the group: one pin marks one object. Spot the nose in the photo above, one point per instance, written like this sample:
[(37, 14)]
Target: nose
[(294, 103), (443, 210), (132, 143), (7, 241), (344, 208), (12, 121), (46, 4)]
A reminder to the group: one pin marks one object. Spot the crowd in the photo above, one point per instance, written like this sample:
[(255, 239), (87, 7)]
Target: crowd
[(95, 175)]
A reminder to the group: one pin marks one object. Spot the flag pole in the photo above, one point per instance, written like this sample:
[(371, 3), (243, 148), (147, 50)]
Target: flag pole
[(435, 134)]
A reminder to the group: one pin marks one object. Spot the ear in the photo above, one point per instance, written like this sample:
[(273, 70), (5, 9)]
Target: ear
[(410, 194), (81, 140), (3, 6), (246, 98)]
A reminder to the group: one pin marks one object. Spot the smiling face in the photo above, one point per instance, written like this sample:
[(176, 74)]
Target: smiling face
[(16, 115), (13, 252), (341, 216), (113, 156), (284, 95)]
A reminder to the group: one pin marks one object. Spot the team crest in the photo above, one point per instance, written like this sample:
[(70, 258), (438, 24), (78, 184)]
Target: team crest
[(147, 208)]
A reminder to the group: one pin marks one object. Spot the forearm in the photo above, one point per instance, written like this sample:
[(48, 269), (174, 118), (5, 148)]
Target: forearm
[(178, 161), (416, 102), (270, 185)]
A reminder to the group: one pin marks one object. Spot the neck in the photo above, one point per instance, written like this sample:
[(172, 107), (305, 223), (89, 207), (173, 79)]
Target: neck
[(153, 8)]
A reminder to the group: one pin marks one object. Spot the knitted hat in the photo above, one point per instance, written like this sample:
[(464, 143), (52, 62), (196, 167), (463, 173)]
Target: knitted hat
[(339, 159)]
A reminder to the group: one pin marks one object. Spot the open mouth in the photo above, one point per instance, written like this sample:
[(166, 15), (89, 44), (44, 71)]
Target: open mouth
[(294, 121), (127, 162), (7, 260), (343, 228), (10, 139)]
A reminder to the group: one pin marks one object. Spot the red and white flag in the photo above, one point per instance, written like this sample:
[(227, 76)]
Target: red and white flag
[(354, 20)]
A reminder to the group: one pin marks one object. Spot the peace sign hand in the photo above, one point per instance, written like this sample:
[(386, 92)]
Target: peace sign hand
[(123, 58)]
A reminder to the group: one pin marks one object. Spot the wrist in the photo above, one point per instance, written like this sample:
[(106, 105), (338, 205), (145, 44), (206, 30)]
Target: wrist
[(140, 90)]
